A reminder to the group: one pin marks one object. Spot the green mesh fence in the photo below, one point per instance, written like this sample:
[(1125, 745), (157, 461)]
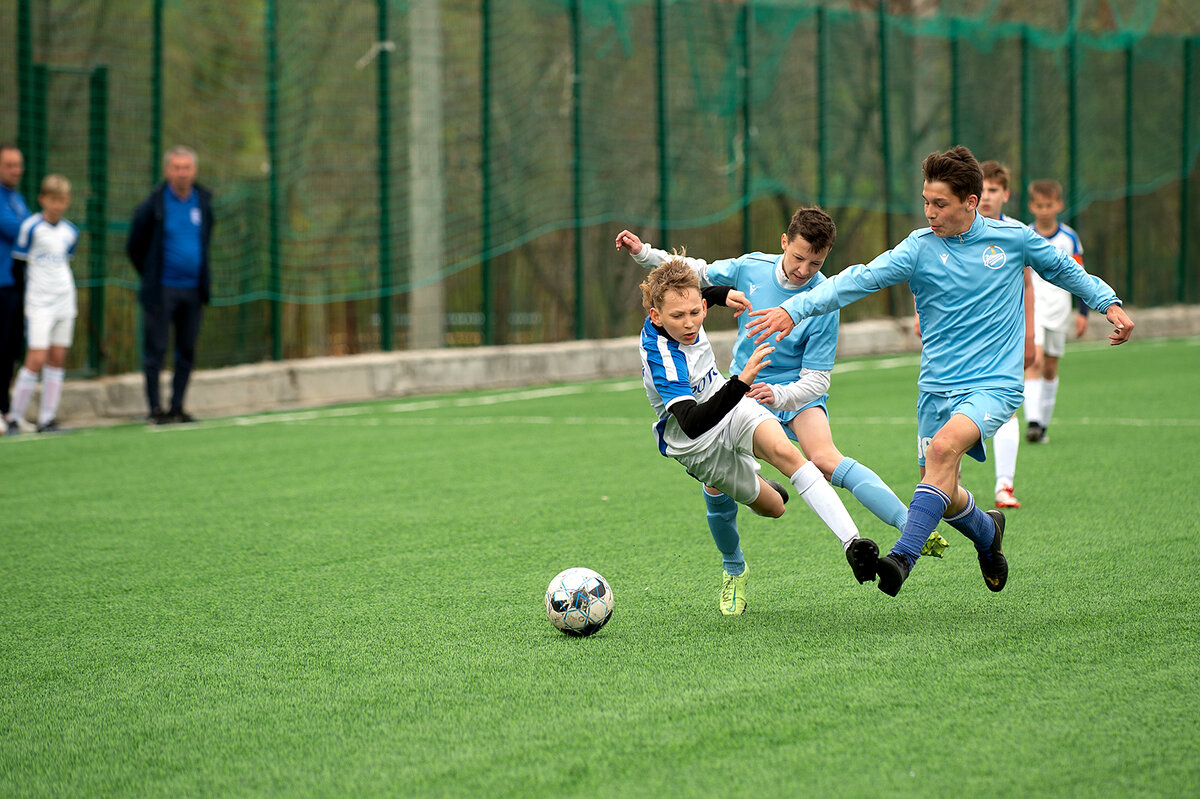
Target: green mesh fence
[(394, 175)]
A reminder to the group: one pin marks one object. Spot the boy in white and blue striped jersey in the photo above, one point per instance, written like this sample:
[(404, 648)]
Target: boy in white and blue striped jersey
[(709, 425)]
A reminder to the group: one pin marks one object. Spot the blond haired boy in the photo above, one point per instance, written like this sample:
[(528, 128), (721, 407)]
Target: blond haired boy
[(716, 432), (46, 243)]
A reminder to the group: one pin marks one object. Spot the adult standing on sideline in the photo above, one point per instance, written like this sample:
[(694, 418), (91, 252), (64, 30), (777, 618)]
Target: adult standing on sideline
[(168, 245), (13, 212)]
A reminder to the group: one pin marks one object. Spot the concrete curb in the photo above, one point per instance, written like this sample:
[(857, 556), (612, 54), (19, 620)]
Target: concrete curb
[(316, 382)]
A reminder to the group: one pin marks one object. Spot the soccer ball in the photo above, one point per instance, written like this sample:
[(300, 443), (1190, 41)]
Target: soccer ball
[(579, 601)]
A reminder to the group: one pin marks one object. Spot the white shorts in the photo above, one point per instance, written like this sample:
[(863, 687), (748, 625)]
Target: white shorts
[(1052, 342), (48, 329), (728, 463)]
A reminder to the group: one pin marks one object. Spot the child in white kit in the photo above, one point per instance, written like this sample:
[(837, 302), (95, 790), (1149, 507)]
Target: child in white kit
[(46, 243)]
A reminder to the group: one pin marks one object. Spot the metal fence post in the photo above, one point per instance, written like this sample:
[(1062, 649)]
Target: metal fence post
[(744, 23), (97, 214), (156, 95), (1186, 170), (1129, 178), (25, 83), (822, 112), (275, 283), (577, 166), (384, 116), (664, 165), (485, 124)]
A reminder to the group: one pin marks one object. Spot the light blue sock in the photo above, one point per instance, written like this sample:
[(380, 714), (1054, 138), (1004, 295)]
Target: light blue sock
[(722, 522), (872, 492), (924, 512), (974, 524)]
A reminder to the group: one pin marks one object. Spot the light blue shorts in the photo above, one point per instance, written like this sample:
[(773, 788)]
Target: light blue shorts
[(785, 417), (988, 409)]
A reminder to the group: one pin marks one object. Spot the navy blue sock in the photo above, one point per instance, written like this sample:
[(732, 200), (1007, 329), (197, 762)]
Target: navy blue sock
[(871, 491), (722, 523), (974, 524), (924, 512)]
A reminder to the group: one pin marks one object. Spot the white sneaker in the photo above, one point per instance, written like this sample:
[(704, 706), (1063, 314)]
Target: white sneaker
[(1005, 498)]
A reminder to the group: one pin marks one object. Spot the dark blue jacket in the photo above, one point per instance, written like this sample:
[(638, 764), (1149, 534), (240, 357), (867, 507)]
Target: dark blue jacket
[(12, 213), (145, 243)]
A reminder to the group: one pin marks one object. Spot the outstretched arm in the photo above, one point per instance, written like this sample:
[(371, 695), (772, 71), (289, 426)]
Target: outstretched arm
[(1030, 346), (892, 267), (649, 256), (793, 396), (1065, 272)]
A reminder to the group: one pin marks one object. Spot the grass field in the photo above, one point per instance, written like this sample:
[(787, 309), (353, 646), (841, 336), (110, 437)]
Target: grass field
[(348, 602)]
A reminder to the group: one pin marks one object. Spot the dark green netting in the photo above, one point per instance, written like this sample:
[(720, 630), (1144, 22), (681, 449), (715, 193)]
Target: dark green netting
[(357, 214)]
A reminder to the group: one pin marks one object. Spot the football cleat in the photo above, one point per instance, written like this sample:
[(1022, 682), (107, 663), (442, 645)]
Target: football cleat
[(935, 545), (893, 571), (51, 426), (1006, 499), (992, 562), (1035, 433), (733, 593), (862, 555)]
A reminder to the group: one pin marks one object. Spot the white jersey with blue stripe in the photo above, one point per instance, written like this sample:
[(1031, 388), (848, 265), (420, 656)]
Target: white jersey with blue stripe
[(672, 372), (969, 291), (47, 249)]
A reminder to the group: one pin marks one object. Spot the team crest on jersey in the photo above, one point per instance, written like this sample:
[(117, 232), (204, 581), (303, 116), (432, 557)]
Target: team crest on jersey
[(994, 257)]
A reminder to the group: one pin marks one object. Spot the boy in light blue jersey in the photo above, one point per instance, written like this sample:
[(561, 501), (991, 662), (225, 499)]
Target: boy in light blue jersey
[(967, 275), (795, 383), (709, 425)]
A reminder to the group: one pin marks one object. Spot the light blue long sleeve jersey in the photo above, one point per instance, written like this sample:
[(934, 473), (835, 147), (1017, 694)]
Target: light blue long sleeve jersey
[(969, 292), (812, 345)]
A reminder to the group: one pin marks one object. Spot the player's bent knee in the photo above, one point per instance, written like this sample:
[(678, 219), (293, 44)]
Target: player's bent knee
[(781, 454), (939, 452)]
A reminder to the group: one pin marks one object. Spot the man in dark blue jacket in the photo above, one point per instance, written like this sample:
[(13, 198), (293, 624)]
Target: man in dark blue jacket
[(168, 245), (12, 307)]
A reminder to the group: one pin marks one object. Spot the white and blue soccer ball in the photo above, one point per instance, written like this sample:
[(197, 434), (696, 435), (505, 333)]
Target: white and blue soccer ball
[(579, 601)]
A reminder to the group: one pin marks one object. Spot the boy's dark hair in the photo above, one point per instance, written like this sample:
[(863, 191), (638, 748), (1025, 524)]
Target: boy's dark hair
[(672, 275), (958, 169), (1046, 188), (996, 172), (814, 226)]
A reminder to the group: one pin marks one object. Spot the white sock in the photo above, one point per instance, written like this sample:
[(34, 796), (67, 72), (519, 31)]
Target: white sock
[(823, 500), (22, 392), (1005, 444), (1033, 401), (1049, 395), (52, 385)]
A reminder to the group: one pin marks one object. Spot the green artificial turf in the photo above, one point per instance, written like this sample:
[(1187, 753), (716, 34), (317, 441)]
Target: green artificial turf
[(348, 602)]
